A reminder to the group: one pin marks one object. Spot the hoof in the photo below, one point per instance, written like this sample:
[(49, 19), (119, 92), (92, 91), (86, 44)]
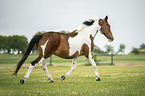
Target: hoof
[(51, 81), (62, 77), (22, 81), (98, 79)]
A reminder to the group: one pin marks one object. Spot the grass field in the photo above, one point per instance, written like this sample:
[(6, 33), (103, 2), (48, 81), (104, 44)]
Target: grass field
[(125, 78)]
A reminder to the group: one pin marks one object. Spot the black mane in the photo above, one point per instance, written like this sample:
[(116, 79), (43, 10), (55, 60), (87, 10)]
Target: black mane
[(89, 22)]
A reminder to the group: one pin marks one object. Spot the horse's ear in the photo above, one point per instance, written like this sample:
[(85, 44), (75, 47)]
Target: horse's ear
[(106, 18)]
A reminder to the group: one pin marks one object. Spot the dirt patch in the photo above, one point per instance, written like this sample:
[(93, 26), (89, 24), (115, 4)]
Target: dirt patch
[(130, 64)]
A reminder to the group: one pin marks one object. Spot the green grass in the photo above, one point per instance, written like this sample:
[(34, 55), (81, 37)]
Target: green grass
[(118, 81), (125, 78)]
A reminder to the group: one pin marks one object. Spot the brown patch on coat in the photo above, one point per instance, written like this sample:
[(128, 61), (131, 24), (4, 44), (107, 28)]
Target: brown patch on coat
[(84, 50), (52, 45), (92, 43), (63, 47)]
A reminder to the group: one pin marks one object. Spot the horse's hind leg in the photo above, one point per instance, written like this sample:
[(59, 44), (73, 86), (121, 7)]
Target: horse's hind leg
[(32, 65), (74, 62), (44, 66)]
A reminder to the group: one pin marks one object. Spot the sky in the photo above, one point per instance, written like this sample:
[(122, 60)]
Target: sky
[(27, 17)]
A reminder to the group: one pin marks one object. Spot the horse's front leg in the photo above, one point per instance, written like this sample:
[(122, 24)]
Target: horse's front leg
[(91, 59), (74, 62)]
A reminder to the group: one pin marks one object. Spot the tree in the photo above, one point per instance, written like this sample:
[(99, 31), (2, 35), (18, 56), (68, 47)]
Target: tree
[(3, 43), (13, 43), (142, 46), (97, 49), (18, 43), (109, 48), (9, 44), (23, 42), (135, 51), (121, 48)]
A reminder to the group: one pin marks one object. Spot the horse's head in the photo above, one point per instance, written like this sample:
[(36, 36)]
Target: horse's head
[(105, 28)]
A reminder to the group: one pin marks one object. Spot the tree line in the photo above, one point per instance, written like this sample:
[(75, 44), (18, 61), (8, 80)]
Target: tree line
[(110, 49), (139, 50), (121, 50), (11, 44)]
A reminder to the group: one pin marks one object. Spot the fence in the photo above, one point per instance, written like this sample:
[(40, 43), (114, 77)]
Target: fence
[(8, 60), (103, 59), (82, 60)]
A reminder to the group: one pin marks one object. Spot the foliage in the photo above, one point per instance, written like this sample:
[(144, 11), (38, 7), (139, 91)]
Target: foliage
[(121, 48), (13, 43), (109, 48), (63, 31), (142, 46), (3, 44), (135, 51), (97, 49)]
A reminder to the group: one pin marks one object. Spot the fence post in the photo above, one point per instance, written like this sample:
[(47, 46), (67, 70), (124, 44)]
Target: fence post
[(112, 58), (50, 60)]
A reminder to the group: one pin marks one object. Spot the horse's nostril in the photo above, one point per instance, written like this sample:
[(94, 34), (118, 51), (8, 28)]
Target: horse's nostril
[(111, 38)]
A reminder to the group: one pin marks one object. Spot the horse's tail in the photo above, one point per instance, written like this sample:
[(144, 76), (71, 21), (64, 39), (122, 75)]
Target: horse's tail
[(34, 40)]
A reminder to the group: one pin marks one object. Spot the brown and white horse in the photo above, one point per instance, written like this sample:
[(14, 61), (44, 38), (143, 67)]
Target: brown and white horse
[(66, 45)]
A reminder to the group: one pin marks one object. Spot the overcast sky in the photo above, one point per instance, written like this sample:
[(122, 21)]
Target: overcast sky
[(26, 17)]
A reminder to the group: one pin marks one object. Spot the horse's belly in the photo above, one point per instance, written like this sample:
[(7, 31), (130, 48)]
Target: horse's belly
[(63, 52)]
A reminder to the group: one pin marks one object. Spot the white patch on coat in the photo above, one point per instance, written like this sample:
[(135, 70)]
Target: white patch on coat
[(44, 47), (75, 43), (83, 37), (81, 27)]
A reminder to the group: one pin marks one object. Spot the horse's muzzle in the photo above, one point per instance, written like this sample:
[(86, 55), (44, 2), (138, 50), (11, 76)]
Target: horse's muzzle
[(111, 39)]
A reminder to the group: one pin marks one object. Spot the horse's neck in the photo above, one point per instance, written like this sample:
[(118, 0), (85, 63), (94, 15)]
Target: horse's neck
[(88, 30)]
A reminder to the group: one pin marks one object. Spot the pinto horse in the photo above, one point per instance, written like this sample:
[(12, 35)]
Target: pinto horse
[(66, 45)]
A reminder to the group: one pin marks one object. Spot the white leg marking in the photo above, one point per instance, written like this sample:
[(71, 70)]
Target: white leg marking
[(30, 69), (74, 62), (44, 46), (41, 60), (93, 64), (44, 66), (29, 72)]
